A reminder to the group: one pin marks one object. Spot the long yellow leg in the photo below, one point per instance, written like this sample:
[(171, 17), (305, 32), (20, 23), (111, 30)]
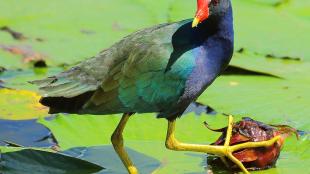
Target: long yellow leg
[(226, 150), (118, 144)]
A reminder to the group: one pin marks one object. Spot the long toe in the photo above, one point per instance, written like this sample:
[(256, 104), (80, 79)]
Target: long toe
[(229, 149)]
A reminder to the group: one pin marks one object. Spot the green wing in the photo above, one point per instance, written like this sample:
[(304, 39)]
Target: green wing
[(139, 83), (67, 84), (128, 77)]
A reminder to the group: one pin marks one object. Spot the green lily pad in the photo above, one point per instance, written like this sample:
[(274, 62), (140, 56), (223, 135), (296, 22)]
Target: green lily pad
[(20, 105), (279, 67), (263, 28), (62, 40), (38, 162), (275, 39), (89, 130), (106, 156), (146, 135), (19, 79), (266, 99)]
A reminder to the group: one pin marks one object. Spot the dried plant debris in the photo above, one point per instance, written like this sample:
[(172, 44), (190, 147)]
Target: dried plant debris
[(27, 53), (249, 130), (271, 56), (281, 2), (40, 39), (16, 35), (40, 64), (241, 50), (87, 32), (2, 69), (117, 26)]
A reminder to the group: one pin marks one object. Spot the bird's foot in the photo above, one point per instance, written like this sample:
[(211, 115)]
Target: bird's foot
[(227, 150), (222, 151), (132, 170)]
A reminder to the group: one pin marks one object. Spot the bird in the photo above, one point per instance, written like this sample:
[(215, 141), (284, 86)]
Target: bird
[(160, 69)]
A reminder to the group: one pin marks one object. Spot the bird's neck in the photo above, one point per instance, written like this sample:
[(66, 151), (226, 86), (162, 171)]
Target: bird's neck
[(224, 24)]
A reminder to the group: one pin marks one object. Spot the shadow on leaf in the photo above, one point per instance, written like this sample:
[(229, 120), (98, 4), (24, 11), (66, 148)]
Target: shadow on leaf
[(106, 156)]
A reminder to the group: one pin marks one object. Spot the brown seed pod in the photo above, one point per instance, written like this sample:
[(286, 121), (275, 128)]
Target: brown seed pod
[(249, 130)]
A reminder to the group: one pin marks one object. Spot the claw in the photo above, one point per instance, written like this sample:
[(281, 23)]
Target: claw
[(228, 150), (225, 150)]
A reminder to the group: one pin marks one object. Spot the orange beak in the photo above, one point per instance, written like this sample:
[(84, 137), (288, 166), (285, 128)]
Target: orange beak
[(202, 12)]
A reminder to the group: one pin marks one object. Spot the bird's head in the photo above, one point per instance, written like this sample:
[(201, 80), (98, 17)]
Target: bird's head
[(206, 8)]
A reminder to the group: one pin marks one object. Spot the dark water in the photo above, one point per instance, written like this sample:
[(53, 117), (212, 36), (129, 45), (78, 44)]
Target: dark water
[(199, 108), (25, 132)]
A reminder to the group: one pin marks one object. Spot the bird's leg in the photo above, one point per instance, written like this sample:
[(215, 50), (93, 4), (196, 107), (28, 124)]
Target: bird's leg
[(226, 150), (118, 144)]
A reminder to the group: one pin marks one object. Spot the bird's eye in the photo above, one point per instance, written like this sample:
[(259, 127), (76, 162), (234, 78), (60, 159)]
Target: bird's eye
[(215, 2)]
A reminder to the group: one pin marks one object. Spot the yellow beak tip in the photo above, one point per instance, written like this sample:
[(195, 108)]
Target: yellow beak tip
[(195, 22)]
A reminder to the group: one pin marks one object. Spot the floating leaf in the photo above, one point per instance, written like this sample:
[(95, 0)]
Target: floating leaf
[(106, 156), (262, 27), (146, 135), (266, 99), (20, 105), (38, 162), (283, 68), (274, 31), (19, 79), (89, 130)]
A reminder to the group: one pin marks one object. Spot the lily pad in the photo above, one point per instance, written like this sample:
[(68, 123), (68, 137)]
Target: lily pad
[(279, 67), (89, 130), (106, 156), (266, 99), (274, 35), (38, 162), (146, 135), (19, 79), (20, 104), (262, 27), (62, 41)]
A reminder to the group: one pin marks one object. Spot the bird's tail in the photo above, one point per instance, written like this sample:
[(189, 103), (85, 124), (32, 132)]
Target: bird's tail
[(67, 91)]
